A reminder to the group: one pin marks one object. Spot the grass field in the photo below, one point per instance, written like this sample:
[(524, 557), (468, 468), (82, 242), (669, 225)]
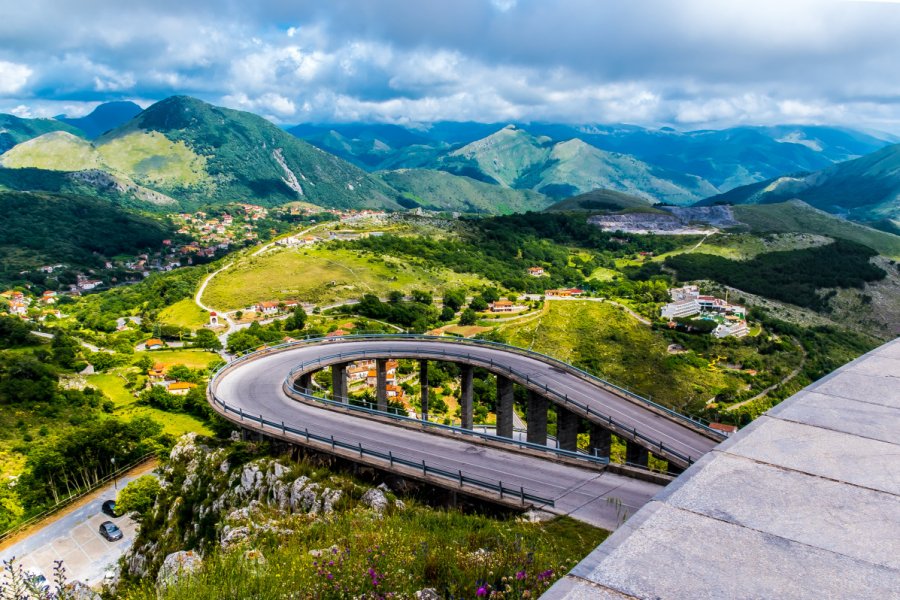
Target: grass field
[(126, 407), (603, 274), (184, 313), (152, 158), (608, 342), (322, 276), (195, 359)]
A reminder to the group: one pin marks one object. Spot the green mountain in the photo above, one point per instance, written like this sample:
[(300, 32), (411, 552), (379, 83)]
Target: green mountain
[(108, 115), (796, 216), (438, 190), (15, 130), (865, 189), (514, 158), (79, 231), (198, 154), (603, 201)]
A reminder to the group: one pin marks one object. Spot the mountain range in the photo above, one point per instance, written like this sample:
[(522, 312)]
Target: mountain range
[(865, 189)]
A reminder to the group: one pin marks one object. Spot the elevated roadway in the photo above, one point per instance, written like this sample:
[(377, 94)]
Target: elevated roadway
[(251, 393)]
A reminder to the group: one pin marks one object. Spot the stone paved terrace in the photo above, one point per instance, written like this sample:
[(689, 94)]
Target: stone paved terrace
[(802, 503)]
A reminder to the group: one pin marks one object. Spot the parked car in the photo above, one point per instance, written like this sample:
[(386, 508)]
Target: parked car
[(109, 507), (109, 530)]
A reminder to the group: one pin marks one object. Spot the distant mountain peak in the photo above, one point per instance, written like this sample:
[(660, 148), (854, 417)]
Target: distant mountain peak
[(103, 118)]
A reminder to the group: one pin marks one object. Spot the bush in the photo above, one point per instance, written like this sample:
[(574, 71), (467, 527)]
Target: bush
[(138, 496)]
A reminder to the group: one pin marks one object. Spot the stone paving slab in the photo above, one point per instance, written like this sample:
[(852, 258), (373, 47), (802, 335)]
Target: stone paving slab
[(802, 503)]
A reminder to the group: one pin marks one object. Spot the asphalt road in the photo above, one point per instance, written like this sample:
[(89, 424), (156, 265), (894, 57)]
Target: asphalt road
[(74, 538), (674, 433), (598, 498)]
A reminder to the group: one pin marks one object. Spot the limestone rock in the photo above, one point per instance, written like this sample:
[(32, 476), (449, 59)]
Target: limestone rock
[(232, 536), (427, 594), (375, 499), (78, 590), (178, 565)]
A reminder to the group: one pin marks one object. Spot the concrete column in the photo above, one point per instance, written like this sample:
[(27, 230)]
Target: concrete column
[(567, 429), (423, 383), (381, 383), (466, 395), (339, 382), (536, 417), (504, 407), (304, 382), (601, 440), (675, 469), (635, 454)]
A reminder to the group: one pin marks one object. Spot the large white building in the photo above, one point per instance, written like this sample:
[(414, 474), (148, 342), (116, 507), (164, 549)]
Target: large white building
[(736, 329), (681, 308)]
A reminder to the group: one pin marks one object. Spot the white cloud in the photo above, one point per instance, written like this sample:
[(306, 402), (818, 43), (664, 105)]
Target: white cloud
[(13, 77)]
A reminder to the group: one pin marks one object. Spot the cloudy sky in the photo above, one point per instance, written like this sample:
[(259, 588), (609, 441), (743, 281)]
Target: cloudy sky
[(684, 63)]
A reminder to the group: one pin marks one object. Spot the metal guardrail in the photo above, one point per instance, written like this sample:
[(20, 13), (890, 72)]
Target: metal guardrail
[(396, 416), (563, 398), (392, 459), (694, 421)]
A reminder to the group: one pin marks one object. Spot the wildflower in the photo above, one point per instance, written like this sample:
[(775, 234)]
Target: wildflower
[(482, 591), (520, 575)]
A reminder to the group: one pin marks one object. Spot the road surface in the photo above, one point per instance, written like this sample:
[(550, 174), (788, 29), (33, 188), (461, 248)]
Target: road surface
[(73, 537)]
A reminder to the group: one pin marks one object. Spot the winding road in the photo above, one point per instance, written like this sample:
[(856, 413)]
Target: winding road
[(254, 386)]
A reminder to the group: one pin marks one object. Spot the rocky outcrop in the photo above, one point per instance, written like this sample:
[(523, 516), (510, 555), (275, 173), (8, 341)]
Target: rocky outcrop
[(177, 566)]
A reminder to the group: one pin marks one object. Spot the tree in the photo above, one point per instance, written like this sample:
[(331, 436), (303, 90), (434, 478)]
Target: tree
[(138, 496), (297, 321), (490, 294), (207, 340), (422, 297), (447, 314), (395, 296), (454, 299), (468, 317), (478, 303)]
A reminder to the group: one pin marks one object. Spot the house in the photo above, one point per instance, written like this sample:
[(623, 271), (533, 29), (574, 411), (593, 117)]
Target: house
[(728, 430), (153, 344), (567, 293), (536, 271), (18, 308), (180, 388), (213, 319), (357, 372), (157, 373), (266, 308), (688, 292), (394, 391), (502, 306), (681, 308)]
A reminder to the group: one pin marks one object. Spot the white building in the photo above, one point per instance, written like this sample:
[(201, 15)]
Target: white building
[(681, 308), (688, 292), (736, 329)]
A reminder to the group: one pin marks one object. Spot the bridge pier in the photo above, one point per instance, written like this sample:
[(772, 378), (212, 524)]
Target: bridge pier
[(504, 407), (381, 383), (466, 395), (601, 440), (567, 429), (339, 382), (636, 454), (304, 382), (536, 416), (423, 383)]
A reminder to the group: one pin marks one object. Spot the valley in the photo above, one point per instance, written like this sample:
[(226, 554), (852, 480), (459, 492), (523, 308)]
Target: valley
[(565, 246)]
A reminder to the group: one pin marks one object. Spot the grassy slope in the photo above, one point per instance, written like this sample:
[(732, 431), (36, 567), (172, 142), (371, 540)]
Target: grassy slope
[(184, 313), (307, 275), (602, 200), (622, 351), (195, 359), (796, 216), (16, 130), (154, 160), (438, 190), (55, 151)]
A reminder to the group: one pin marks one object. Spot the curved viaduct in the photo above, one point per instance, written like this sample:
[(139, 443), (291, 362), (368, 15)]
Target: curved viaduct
[(266, 392)]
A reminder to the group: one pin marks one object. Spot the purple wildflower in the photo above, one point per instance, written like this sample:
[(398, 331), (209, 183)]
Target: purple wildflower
[(482, 591), (520, 575)]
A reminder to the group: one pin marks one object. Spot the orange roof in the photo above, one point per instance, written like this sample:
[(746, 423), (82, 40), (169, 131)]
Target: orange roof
[(723, 427), (153, 342), (182, 385), (502, 303)]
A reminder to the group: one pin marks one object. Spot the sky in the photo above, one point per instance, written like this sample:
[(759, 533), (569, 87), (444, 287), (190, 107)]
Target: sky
[(688, 64)]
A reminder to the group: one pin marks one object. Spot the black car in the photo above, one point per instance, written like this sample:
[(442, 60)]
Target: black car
[(109, 507), (109, 530)]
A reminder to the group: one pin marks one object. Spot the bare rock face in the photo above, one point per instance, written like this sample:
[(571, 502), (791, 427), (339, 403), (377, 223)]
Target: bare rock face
[(376, 500), (427, 594), (330, 497), (178, 565), (305, 496), (78, 590)]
